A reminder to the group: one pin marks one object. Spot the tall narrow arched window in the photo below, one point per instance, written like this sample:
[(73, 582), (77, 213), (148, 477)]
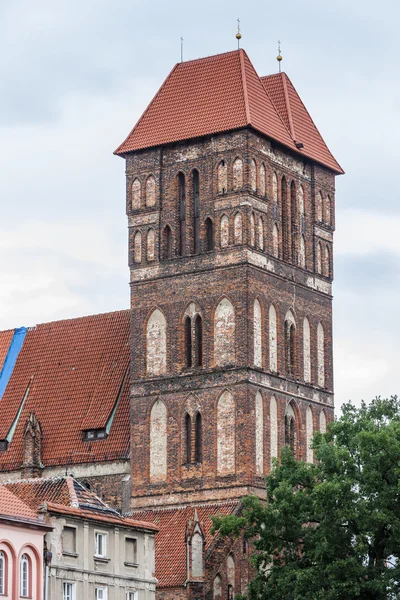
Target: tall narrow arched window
[(326, 261), (224, 231), (327, 210), (158, 441), (275, 241), (136, 193), (274, 188), (293, 221), (253, 175), (24, 576), (230, 575), (225, 434), (198, 440), (137, 247), (286, 221), (260, 229), (290, 429), (259, 434), (273, 348), (306, 350), (182, 213), (222, 177), (188, 436), (188, 341), (252, 230), (309, 435), (196, 212), (290, 344), (322, 422), (156, 344), (209, 234), (150, 191), (224, 333), (238, 229), (262, 180), (257, 333), (318, 207), (150, 245), (3, 573), (273, 422), (167, 242), (198, 332), (302, 252), (217, 588), (321, 355), (319, 259), (238, 174), (300, 198)]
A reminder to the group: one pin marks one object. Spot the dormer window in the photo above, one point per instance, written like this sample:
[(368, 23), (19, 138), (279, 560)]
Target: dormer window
[(94, 434)]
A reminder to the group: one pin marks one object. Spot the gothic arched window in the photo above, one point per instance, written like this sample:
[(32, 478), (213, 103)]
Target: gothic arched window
[(290, 429), (182, 213), (259, 434), (224, 231), (273, 348), (238, 174), (238, 229), (156, 344), (24, 576), (290, 344), (326, 261), (3, 572), (188, 436), (137, 247), (319, 259), (321, 355), (224, 333), (198, 439), (322, 422), (252, 230), (257, 333), (309, 435), (209, 234), (306, 350), (198, 336), (167, 242), (302, 252), (274, 188), (222, 177), (275, 241), (262, 180), (196, 212), (150, 245), (293, 221), (253, 175), (226, 433), (188, 341), (261, 233), (150, 191), (273, 420), (318, 207), (286, 223), (136, 193), (158, 441)]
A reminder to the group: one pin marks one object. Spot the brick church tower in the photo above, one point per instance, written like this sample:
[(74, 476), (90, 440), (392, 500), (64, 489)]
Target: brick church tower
[(230, 203)]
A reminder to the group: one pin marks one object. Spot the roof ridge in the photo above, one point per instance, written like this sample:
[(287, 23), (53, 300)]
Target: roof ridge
[(288, 107), (244, 84), (204, 58)]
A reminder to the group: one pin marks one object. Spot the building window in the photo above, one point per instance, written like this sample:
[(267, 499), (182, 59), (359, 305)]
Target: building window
[(290, 347), (130, 551), (188, 432), (136, 193), (150, 191), (137, 247), (182, 214), (100, 593), (101, 544), (253, 175), (262, 179), (2, 573), (158, 441), (167, 242), (238, 174), (94, 434), (156, 344), (198, 439), (224, 231), (222, 177), (24, 576), (252, 230), (198, 332), (290, 429), (131, 596), (69, 592), (188, 342), (209, 235), (275, 241), (150, 245), (69, 540), (238, 229), (196, 212)]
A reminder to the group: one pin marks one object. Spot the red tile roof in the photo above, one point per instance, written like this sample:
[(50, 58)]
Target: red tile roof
[(12, 506), (5, 341), (65, 495), (74, 371), (297, 119), (170, 545), (216, 94)]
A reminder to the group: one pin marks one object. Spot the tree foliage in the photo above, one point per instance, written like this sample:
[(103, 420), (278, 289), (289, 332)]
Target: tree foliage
[(330, 530)]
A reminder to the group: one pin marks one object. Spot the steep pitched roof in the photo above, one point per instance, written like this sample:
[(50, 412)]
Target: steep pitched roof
[(71, 374), (170, 545), (5, 341), (65, 495), (14, 507), (212, 95), (297, 119)]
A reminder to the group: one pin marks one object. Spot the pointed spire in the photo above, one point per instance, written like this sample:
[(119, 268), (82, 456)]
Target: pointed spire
[(238, 35), (279, 58)]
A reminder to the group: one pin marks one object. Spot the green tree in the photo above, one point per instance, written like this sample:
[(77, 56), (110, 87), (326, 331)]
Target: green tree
[(330, 530)]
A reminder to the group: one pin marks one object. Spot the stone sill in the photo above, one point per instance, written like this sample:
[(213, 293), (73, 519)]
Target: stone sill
[(129, 564), (101, 559), (71, 554)]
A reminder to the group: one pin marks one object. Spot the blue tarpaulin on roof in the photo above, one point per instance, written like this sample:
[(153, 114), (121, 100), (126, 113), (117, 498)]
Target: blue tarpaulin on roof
[(11, 358)]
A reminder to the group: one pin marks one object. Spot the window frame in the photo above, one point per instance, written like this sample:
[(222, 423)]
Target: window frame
[(131, 595), (104, 589), (97, 535), (73, 590), (24, 560), (3, 573), (129, 563), (65, 551)]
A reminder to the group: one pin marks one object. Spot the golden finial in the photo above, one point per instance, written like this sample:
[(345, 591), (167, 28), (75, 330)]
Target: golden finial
[(238, 35), (279, 57)]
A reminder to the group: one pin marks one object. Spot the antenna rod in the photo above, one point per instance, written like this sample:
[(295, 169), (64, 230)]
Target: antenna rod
[(238, 35), (279, 57), (181, 49)]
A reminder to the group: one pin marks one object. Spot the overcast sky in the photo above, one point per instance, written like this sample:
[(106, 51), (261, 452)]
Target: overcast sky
[(76, 75)]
